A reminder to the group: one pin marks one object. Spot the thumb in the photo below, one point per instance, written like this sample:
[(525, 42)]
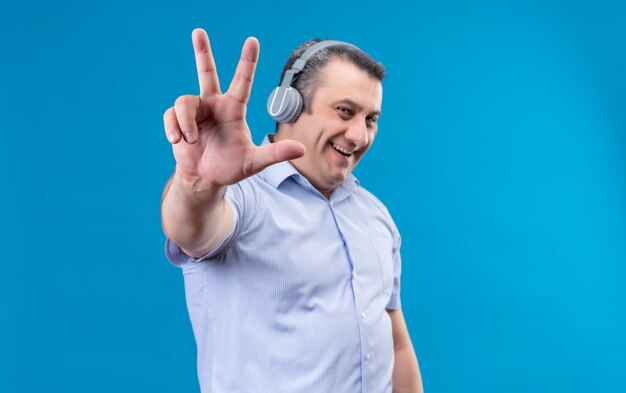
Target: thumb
[(272, 153)]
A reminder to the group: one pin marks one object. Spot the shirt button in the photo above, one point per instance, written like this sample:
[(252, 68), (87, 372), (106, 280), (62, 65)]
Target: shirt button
[(363, 315), (353, 275), (368, 356)]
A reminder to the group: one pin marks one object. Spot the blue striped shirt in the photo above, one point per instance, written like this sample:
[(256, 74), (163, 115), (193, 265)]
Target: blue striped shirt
[(295, 299)]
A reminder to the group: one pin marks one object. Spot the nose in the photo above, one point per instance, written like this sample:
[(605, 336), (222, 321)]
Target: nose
[(357, 133)]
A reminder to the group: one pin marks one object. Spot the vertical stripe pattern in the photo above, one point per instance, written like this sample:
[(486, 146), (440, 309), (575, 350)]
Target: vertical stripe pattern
[(295, 299)]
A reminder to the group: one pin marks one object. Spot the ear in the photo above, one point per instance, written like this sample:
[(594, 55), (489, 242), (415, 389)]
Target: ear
[(283, 129)]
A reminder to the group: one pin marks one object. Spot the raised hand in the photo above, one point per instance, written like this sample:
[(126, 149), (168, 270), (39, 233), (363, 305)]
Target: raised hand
[(209, 134)]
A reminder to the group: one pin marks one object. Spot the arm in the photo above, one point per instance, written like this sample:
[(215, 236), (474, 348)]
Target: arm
[(406, 373), (195, 219), (213, 148)]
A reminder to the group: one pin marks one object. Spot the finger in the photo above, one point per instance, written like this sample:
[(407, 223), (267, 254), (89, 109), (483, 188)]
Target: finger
[(244, 74), (205, 64), (266, 155), (172, 129), (185, 109)]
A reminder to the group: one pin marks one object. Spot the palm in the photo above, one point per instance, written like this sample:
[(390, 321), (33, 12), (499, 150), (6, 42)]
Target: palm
[(223, 143), (223, 152)]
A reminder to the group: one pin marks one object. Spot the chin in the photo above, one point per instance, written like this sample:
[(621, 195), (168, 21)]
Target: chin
[(338, 178)]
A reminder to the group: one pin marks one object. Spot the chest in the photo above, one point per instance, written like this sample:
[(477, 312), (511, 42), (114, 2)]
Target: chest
[(313, 246)]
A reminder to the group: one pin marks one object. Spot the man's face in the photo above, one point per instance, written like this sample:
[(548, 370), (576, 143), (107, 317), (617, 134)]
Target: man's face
[(339, 126)]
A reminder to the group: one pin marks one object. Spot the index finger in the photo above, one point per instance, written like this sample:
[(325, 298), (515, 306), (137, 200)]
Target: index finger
[(207, 72)]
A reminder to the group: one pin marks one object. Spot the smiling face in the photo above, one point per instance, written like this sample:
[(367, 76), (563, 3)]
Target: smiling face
[(339, 126)]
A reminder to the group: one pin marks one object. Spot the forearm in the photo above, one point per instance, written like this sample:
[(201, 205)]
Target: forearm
[(406, 373), (194, 215)]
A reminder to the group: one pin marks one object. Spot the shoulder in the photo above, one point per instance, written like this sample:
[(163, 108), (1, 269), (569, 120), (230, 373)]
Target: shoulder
[(243, 197), (371, 199), (247, 190), (380, 211)]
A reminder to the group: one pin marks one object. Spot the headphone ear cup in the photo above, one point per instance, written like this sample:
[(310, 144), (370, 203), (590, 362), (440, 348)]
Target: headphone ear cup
[(294, 103), (285, 107)]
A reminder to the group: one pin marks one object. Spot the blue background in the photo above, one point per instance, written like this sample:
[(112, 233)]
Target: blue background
[(501, 156)]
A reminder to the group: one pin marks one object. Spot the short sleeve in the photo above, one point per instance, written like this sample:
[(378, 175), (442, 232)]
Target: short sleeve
[(240, 197), (394, 301)]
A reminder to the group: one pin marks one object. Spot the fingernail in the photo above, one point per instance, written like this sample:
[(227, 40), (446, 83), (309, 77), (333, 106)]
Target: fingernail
[(190, 137), (170, 137)]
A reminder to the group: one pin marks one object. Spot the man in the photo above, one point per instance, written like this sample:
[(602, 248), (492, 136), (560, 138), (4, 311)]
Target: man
[(291, 268)]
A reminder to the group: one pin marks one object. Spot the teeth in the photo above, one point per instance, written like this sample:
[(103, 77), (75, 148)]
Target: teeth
[(341, 149)]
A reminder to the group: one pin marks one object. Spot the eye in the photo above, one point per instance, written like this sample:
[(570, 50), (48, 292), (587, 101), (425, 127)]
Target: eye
[(372, 119), (344, 111)]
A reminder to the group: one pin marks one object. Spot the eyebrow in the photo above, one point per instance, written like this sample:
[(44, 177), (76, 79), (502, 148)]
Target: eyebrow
[(355, 105)]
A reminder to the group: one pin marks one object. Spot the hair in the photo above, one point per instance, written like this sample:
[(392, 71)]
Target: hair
[(306, 81)]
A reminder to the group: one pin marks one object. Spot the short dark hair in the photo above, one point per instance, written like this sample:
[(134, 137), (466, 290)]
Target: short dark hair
[(305, 81)]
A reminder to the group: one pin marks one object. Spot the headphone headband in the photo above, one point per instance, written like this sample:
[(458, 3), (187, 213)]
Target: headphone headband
[(318, 46)]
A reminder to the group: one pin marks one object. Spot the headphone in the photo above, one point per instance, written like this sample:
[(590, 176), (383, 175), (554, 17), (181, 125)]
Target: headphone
[(285, 102)]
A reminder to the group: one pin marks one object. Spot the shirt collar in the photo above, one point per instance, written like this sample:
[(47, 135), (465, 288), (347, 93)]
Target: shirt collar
[(276, 174)]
